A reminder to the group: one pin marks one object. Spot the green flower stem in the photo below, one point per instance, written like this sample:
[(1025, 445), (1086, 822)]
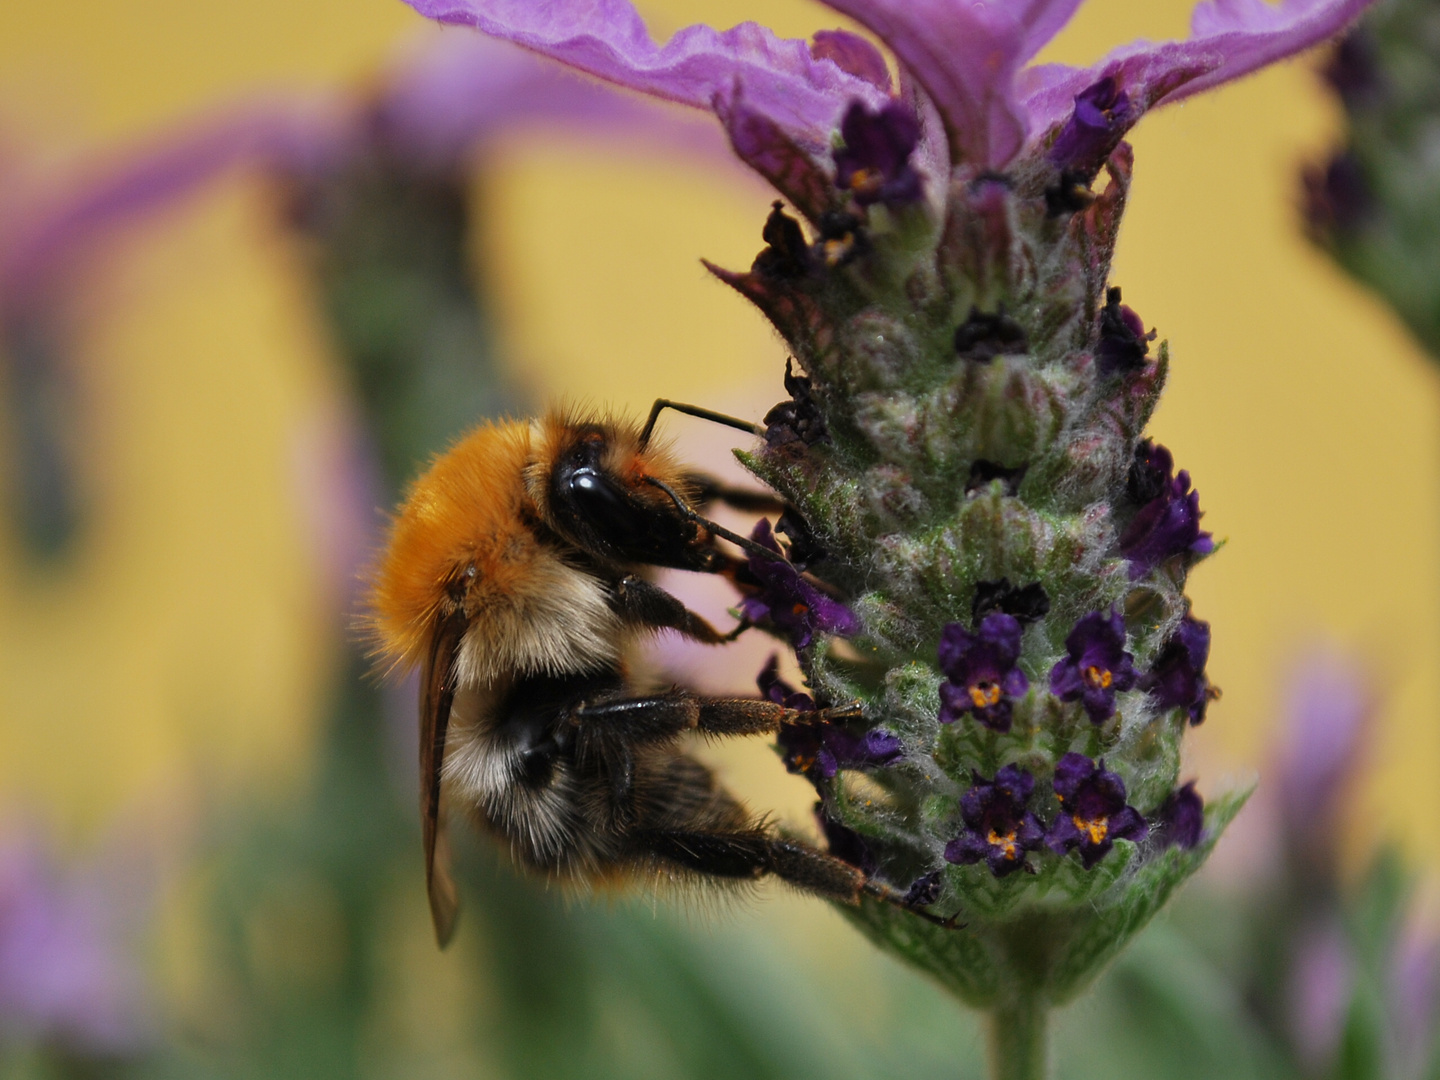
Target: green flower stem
[(1017, 1039)]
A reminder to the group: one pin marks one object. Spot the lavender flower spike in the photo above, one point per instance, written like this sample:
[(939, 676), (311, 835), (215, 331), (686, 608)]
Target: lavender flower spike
[(968, 400)]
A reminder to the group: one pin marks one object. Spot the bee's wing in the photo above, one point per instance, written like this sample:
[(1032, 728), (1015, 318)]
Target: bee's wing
[(437, 693)]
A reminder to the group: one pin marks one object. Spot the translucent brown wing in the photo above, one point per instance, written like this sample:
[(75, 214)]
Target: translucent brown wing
[(437, 693)]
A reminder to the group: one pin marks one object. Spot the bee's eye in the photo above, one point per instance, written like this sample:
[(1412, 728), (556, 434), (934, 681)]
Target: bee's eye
[(596, 496)]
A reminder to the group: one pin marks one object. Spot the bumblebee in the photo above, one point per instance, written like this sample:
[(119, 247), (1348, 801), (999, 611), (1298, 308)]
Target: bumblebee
[(512, 579)]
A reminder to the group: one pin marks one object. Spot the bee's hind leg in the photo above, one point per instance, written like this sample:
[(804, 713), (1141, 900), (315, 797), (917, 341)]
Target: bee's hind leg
[(749, 854)]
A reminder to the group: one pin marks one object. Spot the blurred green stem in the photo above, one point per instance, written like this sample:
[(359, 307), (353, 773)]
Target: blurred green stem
[(1017, 1040)]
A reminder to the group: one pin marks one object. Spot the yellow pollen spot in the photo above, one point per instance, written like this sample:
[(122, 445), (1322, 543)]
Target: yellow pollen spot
[(1099, 677), (836, 250), (866, 181), (1096, 828), (984, 694), (1007, 842), (798, 609)]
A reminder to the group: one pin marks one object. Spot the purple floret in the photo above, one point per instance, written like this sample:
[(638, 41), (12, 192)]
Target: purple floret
[(1180, 821), (1028, 603), (1103, 113), (821, 750), (981, 672), (776, 689), (1093, 813), (1169, 523), (787, 601), (874, 164), (1177, 678), (924, 890), (1124, 343), (797, 420), (998, 827), (1097, 665), (985, 335)]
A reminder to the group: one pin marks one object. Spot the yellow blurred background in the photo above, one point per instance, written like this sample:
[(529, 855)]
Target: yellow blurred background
[(186, 647)]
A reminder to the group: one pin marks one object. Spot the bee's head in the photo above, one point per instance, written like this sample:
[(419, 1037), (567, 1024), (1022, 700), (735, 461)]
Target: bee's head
[(595, 484)]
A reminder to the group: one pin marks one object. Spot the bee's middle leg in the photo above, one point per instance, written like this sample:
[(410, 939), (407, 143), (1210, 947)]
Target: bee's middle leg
[(660, 717)]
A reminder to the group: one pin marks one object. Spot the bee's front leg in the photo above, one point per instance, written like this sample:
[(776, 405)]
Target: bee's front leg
[(642, 603)]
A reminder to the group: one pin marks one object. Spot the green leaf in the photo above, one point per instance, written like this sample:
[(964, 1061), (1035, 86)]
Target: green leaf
[(1099, 932), (960, 958)]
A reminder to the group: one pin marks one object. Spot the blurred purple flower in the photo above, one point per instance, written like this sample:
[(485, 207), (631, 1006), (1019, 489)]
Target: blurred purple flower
[(432, 110), (1414, 994), (1317, 992), (66, 974), (427, 114), (1327, 716), (782, 98), (62, 218)]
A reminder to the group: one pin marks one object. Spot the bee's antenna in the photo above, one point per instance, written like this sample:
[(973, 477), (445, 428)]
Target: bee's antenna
[(719, 530), (662, 404)]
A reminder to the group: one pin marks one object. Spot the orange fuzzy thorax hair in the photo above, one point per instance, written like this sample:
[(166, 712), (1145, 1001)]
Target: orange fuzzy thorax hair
[(477, 505), (470, 506)]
